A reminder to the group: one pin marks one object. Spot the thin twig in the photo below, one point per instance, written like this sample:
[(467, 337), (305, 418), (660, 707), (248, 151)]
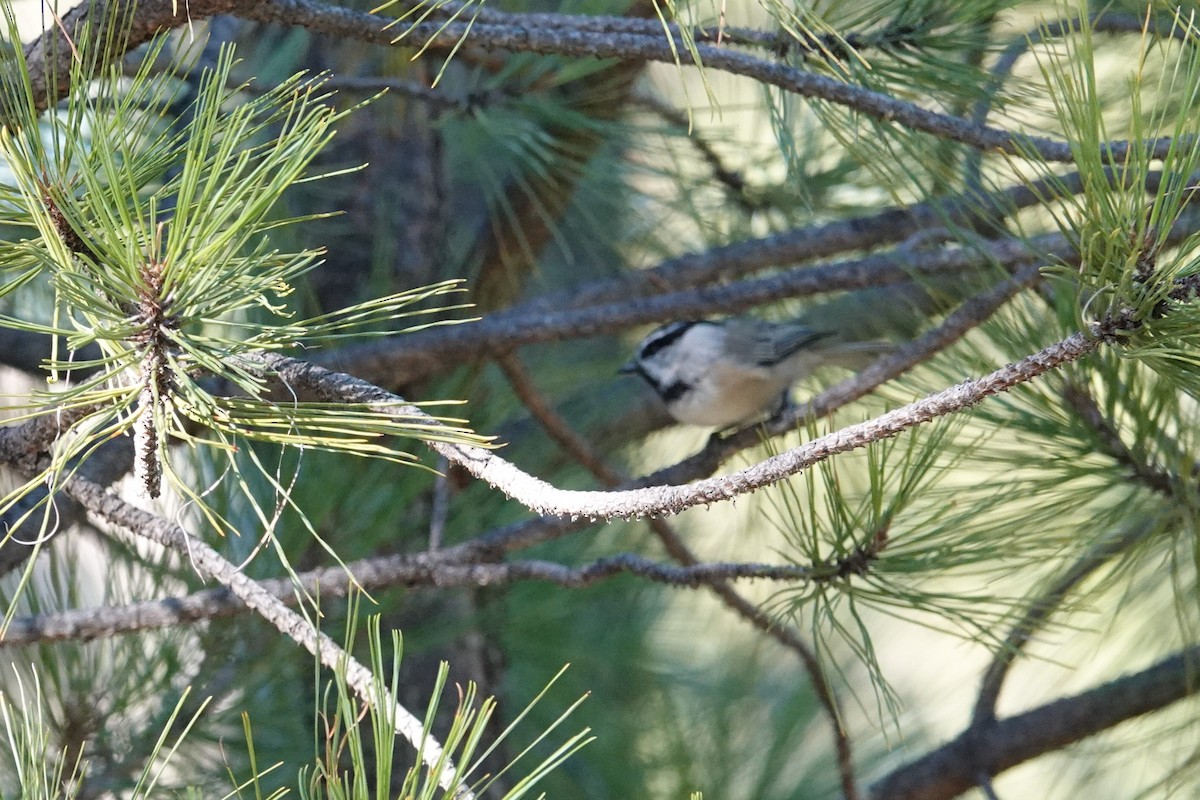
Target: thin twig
[(209, 562), (985, 786), (787, 636), (1040, 610), (552, 423), (439, 506), (416, 571), (414, 90), (733, 181), (1079, 398)]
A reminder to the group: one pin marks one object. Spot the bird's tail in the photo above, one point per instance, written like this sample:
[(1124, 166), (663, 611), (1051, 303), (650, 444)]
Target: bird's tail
[(853, 355)]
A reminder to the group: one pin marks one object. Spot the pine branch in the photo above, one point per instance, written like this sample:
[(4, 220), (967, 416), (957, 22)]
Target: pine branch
[(956, 766), (721, 448), (642, 297), (500, 31), (208, 562), (516, 33), (415, 571), (1039, 612), (428, 352), (309, 380)]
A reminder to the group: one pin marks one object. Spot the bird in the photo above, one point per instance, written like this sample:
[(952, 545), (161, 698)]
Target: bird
[(725, 372)]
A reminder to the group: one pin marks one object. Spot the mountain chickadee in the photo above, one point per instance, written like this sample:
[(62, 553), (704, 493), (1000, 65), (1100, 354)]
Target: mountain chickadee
[(721, 372)]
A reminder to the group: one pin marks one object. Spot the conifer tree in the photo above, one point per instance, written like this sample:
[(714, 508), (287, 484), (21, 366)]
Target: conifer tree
[(311, 315)]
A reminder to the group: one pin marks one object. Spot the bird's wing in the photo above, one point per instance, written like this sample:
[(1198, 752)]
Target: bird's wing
[(775, 345)]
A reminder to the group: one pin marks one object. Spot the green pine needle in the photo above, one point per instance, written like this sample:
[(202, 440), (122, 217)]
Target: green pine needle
[(156, 245)]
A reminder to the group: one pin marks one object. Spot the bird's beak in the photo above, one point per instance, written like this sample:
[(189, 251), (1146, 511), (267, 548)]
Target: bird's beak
[(628, 368)]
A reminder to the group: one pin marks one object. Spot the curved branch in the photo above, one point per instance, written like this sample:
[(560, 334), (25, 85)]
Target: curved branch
[(721, 448), (19, 443), (312, 381)]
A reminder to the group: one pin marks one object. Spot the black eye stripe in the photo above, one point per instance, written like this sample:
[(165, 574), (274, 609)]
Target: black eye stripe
[(664, 337), (669, 393), (675, 391)]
